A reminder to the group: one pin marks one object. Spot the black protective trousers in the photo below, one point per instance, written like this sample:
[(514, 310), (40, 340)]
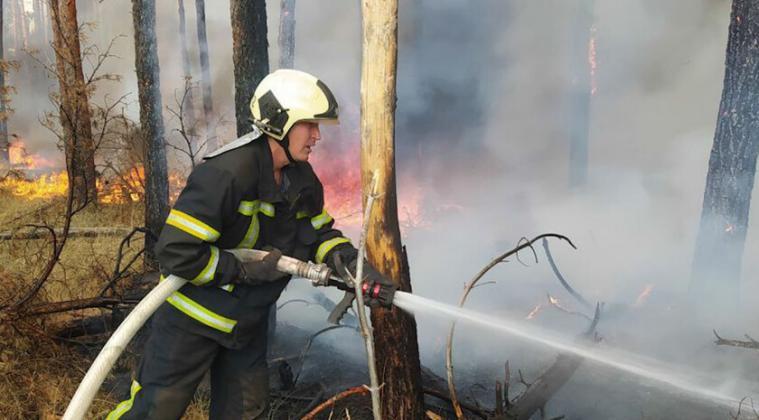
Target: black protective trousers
[(175, 361)]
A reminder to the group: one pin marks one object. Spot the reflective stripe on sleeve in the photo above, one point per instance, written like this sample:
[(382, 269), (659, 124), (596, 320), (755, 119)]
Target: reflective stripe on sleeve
[(210, 269), (126, 405), (251, 235), (321, 219), (201, 314), (191, 225), (327, 246)]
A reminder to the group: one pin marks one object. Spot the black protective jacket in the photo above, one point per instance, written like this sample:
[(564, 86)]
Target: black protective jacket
[(231, 201)]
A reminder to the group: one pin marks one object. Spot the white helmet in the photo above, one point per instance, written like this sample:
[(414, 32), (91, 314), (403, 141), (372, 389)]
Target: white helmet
[(285, 97)]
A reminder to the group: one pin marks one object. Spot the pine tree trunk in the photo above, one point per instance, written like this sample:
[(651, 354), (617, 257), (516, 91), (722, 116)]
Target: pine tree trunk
[(151, 122), (580, 94), (394, 331), (78, 143), (188, 108), (4, 156), (732, 163), (39, 31), (250, 54), (286, 34), (205, 76), (18, 25)]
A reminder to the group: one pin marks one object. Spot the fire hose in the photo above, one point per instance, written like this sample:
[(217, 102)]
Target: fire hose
[(319, 274)]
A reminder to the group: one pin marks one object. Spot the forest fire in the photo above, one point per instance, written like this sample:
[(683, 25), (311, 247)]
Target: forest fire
[(341, 177)]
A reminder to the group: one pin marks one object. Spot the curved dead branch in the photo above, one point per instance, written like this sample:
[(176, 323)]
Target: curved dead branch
[(561, 278), (467, 289), (356, 390), (750, 343)]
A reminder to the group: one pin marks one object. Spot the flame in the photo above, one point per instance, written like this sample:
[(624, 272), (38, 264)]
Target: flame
[(592, 63), (340, 174), (21, 159), (534, 312), (126, 188), (643, 296)]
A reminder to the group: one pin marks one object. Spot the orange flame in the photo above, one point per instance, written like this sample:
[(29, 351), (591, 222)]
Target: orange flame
[(534, 312), (21, 159), (643, 296)]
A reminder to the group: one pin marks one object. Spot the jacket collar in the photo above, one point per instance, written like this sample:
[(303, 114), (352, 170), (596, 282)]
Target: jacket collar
[(296, 173)]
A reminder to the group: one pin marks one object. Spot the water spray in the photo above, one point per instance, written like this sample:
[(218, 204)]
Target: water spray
[(613, 358)]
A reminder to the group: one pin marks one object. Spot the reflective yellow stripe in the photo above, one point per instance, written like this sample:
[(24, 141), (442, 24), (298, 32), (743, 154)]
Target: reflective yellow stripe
[(228, 287), (193, 226), (210, 270), (267, 209), (321, 219), (301, 215), (201, 314), (250, 208), (251, 236), (327, 246), (126, 405)]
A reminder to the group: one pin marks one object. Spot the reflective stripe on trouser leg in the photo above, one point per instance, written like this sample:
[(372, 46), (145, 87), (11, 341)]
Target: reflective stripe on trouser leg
[(173, 364), (240, 380)]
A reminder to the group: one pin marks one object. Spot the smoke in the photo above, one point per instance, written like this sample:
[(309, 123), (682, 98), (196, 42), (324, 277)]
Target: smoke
[(482, 124)]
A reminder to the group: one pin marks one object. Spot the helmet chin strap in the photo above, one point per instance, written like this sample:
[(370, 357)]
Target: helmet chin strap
[(285, 144)]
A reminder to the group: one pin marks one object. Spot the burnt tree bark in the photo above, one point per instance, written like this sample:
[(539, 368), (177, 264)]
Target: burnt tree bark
[(286, 34), (581, 91), (397, 350), (205, 75), (250, 54), (732, 163), (188, 108), (4, 153), (151, 123), (74, 107)]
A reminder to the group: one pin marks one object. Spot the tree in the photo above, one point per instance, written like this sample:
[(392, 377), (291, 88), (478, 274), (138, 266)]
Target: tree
[(250, 55), (205, 75), (151, 122), (581, 91), (397, 350), (188, 108), (732, 163), (4, 153), (73, 101), (286, 34)]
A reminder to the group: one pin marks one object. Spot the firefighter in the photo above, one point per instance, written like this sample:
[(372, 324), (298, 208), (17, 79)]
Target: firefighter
[(257, 192)]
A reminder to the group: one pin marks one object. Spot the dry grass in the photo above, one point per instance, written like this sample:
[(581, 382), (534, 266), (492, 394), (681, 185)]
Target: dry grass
[(38, 375)]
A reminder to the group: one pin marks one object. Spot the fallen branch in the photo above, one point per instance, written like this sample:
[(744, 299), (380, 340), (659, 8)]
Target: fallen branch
[(749, 344), (467, 289), (468, 407), (85, 232), (357, 390)]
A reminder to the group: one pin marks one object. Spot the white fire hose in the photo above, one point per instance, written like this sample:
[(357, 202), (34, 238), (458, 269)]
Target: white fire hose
[(318, 274)]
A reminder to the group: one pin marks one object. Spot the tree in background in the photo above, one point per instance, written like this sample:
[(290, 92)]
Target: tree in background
[(581, 91), (4, 110), (286, 34), (205, 75), (732, 163), (73, 101), (188, 106), (397, 350), (151, 122), (250, 54)]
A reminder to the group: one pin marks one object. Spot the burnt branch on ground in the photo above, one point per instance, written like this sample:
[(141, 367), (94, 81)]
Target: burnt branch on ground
[(750, 342)]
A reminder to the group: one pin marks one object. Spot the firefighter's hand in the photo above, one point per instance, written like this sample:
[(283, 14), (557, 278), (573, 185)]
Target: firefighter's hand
[(378, 290), (264, 271)]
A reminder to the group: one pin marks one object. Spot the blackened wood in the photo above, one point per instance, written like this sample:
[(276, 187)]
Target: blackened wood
[(4, 153), (286, 34)]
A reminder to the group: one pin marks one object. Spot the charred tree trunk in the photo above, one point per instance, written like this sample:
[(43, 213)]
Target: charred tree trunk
[(732, 163), (394, 331), (286, 34), (151, 122), (74, 108), (581, 91), (250, 54), (205, 75), (4, 154), (188, 108)]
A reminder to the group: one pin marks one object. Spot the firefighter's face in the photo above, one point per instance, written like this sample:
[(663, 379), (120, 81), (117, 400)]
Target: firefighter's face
[(303, 137)]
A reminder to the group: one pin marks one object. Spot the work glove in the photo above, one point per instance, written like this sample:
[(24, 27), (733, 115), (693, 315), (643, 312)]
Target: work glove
[(377, 289), (260, 272)]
